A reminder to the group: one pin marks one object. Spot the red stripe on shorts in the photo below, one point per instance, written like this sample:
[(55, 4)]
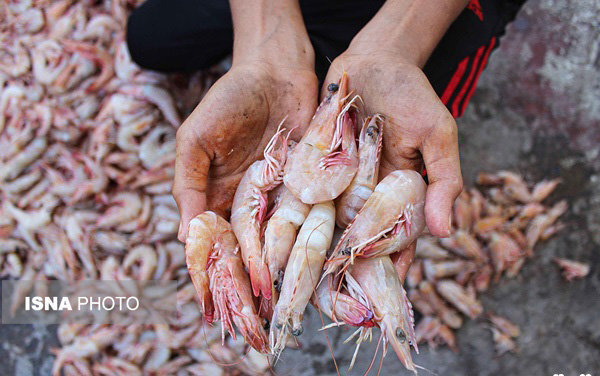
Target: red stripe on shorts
[(456, 77), (481, 66), (467, 83)]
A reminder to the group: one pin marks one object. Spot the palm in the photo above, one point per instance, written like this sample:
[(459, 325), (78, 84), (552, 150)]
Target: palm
[(239, 115)]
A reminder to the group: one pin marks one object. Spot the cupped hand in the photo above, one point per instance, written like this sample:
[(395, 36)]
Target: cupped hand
[(418, 130), (229, 129)]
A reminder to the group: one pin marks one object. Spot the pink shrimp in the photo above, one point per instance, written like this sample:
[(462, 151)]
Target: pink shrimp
[(365, 180), (391, 219), (99, 56), (393, 312), (341, 305), (459, 297), (218, 275), (325, 160), (249, 210), (280, 235), (302, 273), (572, 269), (157, 96)]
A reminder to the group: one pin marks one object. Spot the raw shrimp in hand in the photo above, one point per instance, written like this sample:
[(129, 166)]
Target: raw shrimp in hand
[(217, 272), (382, 288), (326, 159), (249, 210), (302, 273), (363, 184), (390, 221), (280, 235)]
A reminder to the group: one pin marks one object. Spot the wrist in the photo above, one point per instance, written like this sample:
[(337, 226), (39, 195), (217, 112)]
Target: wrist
[(409, 29), (272, 32)]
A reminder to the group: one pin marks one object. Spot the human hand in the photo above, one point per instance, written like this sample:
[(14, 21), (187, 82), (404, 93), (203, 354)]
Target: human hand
[(271, 77), (419, 129)]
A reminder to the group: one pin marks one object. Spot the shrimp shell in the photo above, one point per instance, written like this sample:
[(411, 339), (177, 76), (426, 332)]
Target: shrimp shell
[(280, 235), (391, 219), (393, 311), (302, 273), (325, 160), (365, 180), (218, 275), (249, 209)]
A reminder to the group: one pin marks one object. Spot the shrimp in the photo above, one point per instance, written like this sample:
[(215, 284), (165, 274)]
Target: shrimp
[(157, 96), (249, 210), (392, 218), (340, 305), (543, 189), (218, 275), (84, 347), (325, 160), (427, 248), (439, 269), (540, 223), (572, 269), (302, 273), (393, 312), (365, 180), (16, 64), (448, 315), (504, 251), (12, 168), (280, 235), (146, 256), (158, 147), (504, 325), (125, 206), (459, 297), (99, 56), (48, 61)]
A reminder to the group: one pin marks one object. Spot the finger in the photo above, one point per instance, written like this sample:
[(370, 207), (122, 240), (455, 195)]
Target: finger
[(442, 161), (403, 259), (189, 186)]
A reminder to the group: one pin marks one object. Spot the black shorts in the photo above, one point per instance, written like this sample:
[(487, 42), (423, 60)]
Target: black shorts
[(189, 35)]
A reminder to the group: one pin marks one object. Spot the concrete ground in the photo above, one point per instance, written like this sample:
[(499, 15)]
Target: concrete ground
[(537, 111)]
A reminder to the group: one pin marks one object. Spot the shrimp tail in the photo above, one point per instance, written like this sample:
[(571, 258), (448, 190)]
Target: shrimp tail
[(204, 295), (260, 278)]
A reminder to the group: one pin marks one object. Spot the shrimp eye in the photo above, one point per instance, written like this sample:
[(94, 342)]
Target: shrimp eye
[(333, 87), (267, 324), (346, 251), (400, 334), (372, 130), (297, 332), (278, 326), (278, 281)]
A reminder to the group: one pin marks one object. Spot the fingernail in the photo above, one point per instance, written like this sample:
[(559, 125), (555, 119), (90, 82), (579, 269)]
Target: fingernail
[(450, 224), (179, 231)]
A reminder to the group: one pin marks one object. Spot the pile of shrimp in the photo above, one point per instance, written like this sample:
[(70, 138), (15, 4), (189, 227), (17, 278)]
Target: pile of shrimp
[(496, 226), (87, 148)]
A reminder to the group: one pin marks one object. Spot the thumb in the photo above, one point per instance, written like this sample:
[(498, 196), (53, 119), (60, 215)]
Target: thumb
[(189, 185), (440, 153)]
